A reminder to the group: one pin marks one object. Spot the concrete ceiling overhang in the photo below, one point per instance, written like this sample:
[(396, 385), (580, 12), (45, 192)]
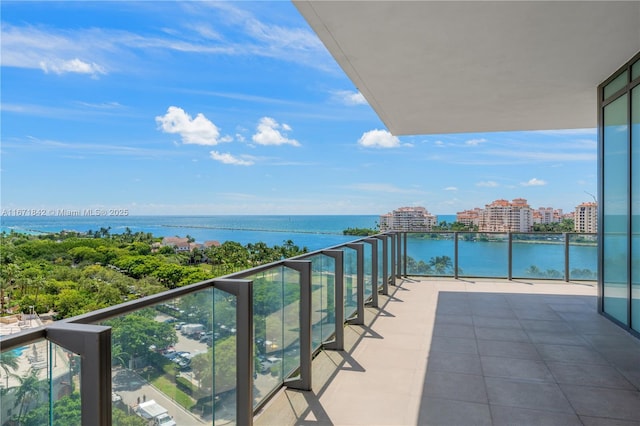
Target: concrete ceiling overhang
[(429, 67)]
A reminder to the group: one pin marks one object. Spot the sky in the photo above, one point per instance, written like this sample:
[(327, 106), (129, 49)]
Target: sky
[(205, 108)]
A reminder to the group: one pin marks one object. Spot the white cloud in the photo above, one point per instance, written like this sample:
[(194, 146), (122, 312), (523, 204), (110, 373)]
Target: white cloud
[(451, 188), (487, 184), (475, 142), (227, 158), (378, 139), (349, 97), (71, 66), (269, 133), (196, 131), (534, 182)]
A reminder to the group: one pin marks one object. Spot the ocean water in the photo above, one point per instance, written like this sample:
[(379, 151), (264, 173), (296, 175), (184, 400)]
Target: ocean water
[(313, 232)]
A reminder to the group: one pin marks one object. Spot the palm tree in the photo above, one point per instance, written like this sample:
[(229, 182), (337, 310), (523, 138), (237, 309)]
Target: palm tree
[(28, 392), (8, 360), (441, 264)]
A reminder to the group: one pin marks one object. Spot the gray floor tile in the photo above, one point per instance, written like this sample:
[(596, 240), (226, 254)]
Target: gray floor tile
[(599, 421), (505, 334), (570, 353), (454, 344), (442, 412), (556, 338), (503, 348), (459, 387), (598, 375), (454, 319), (538, 396), (545, 325), (454, 330), (510, 416), (604, 402), (514, 368), (454, 363), (480, 321)]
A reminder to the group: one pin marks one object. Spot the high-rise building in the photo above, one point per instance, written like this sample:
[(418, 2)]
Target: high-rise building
[(416, 219), (505, 216), (586, 217)]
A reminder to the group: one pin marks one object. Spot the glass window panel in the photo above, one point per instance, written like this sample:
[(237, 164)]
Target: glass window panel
[(430, 254), (615, 206), (635, 70), (635, 204), (616, 84), (538, 255)]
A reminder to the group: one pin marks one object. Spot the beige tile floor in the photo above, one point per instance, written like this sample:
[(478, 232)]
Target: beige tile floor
[(474, 352)]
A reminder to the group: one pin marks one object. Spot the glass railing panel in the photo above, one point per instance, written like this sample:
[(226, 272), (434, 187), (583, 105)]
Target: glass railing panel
[(162, 360), (483, 254), (583, 256), (276, 309), (350, 282), (368, 270), (64, 381), (380, 254), (538, 255), (218, 364), (430, 254), (24, 384), (323, 321)]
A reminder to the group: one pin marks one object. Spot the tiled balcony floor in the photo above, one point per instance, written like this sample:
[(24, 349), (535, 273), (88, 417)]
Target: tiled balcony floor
[(474, 352)]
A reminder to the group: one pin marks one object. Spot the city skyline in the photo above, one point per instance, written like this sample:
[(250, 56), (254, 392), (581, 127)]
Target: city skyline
[(194, 108)]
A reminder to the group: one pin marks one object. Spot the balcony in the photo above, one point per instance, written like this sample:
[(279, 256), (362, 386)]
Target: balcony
[(268, 345)]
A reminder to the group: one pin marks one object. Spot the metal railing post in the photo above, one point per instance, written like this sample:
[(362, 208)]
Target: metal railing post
[(338, 287), (304, 381), (243, 290), (93, 344), (359, 318)]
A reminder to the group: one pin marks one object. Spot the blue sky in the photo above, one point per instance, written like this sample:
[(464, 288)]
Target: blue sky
[(195, 108)]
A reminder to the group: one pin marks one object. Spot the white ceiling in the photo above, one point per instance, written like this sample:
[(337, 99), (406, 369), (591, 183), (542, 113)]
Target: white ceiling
[(429, 67)]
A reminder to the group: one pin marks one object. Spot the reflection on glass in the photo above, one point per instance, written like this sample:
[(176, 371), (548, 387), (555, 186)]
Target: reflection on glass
[(635, 202), (616, 84), (615, 206)]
